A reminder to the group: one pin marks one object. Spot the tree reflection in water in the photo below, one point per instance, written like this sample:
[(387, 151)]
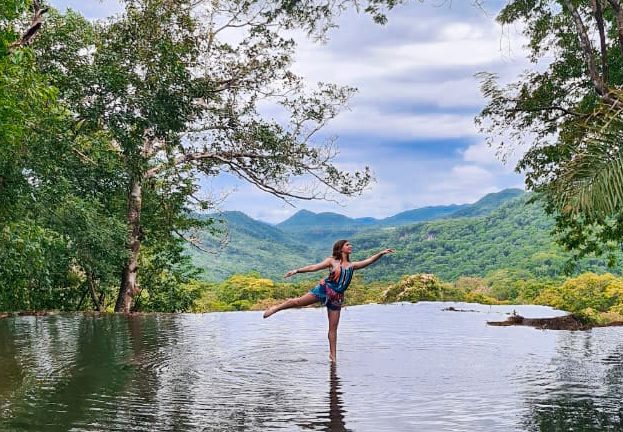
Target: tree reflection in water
[(587, 394), (80, 371), (573, 414), (11, 373)]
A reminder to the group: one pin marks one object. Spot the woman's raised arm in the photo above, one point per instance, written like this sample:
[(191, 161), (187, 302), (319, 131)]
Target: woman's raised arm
[(366, 262), (326, 263)]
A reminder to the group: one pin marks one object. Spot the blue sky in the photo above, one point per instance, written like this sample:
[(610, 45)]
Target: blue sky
[(411, 120)]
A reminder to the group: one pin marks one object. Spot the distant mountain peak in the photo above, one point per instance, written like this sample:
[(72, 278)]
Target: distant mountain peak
[(489, 202), (306, 219)]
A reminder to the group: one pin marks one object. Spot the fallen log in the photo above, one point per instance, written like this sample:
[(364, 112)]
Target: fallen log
[(566, 322)]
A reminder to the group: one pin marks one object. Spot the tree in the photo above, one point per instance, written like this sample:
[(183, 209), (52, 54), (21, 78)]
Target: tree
[(58, 186), (570, 112), (26, 99), (178, 87)]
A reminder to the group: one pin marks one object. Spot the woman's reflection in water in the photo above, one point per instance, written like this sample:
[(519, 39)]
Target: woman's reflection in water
[(336, 411)]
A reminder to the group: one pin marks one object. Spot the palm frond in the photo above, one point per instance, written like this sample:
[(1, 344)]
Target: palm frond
[(591, 182)]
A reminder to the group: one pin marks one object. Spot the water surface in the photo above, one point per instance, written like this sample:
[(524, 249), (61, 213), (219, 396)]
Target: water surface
[(401, 367)]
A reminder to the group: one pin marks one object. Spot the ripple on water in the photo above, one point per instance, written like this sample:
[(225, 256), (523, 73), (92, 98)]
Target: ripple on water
[(401, 367)]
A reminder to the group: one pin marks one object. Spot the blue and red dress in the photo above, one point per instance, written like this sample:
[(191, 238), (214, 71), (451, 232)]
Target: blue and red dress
[(330, 290)]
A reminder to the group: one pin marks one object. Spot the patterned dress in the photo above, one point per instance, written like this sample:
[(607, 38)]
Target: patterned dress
[(330, 291)]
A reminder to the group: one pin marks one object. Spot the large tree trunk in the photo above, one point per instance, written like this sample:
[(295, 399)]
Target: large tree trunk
[(129, 286)]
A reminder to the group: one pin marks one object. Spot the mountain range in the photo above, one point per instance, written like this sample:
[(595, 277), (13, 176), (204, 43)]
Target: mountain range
[(502, 230)]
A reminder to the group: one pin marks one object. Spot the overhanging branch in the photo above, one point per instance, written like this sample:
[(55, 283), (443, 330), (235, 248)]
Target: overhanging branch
[(32, 30)]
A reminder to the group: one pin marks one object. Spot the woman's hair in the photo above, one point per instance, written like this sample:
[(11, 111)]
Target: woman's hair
[(337, 249)]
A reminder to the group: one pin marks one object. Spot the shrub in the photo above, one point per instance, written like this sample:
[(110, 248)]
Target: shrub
[(415, 288)]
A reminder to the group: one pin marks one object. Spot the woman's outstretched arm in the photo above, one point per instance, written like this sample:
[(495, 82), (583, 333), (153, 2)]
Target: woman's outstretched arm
[(311, 268), (366, 262)]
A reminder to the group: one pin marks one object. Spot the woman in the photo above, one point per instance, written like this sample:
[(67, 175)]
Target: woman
[(330, 291)]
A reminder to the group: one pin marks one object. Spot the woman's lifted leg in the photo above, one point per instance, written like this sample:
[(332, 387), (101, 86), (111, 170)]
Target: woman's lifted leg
[(297, 302)]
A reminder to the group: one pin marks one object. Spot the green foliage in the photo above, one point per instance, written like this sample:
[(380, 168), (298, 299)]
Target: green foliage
[(320, 230), (478, 297), (244, 292), (29, 111), (416, 288), (60, 232), (156, 97), (168, 282), (252, 246), (36, 270), (10, 12), (178, 98), (147, 101), (569, 110), (361, 291), (587, 291), (246, 288), (528, 290), (515, 236), (505, 284)]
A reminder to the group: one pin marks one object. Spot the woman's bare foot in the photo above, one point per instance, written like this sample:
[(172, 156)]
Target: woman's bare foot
[(270, 311)]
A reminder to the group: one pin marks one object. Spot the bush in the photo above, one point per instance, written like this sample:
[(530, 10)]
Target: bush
[(589, 290), (415, 288), (475, 297)]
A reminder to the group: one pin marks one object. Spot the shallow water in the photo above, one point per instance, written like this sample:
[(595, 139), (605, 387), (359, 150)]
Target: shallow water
[(401, 367)]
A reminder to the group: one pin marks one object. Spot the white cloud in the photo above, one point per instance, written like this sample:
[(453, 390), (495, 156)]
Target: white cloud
[(371, 121), (460, 31), (481, 154), (466, 181), (416, 82), (453, 93)]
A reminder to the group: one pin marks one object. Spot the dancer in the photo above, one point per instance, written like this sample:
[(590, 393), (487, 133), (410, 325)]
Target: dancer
[(330, 291)]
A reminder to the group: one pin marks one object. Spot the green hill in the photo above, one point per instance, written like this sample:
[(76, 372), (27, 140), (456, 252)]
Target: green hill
[(319, 229), (515, 236), (508, 234), (250, 245), (488, 203), (422, 214), (304, 220)]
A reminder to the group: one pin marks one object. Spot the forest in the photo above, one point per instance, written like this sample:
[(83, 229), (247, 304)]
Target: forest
[(108, 126)]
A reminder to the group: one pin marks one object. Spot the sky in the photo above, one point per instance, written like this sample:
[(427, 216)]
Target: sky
[(412, 118)]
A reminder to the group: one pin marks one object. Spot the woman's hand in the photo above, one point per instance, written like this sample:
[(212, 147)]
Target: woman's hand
[(290, 273), (365, 263)]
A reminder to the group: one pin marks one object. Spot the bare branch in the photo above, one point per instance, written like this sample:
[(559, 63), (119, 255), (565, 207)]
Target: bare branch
[(198, 156), (249, 22), (599, 18), (32, 31), (192, 241), (252, 178), (84, 157), (587, 50)]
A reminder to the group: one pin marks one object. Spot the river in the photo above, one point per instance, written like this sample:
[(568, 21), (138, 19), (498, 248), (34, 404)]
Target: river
[(401, 367)]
